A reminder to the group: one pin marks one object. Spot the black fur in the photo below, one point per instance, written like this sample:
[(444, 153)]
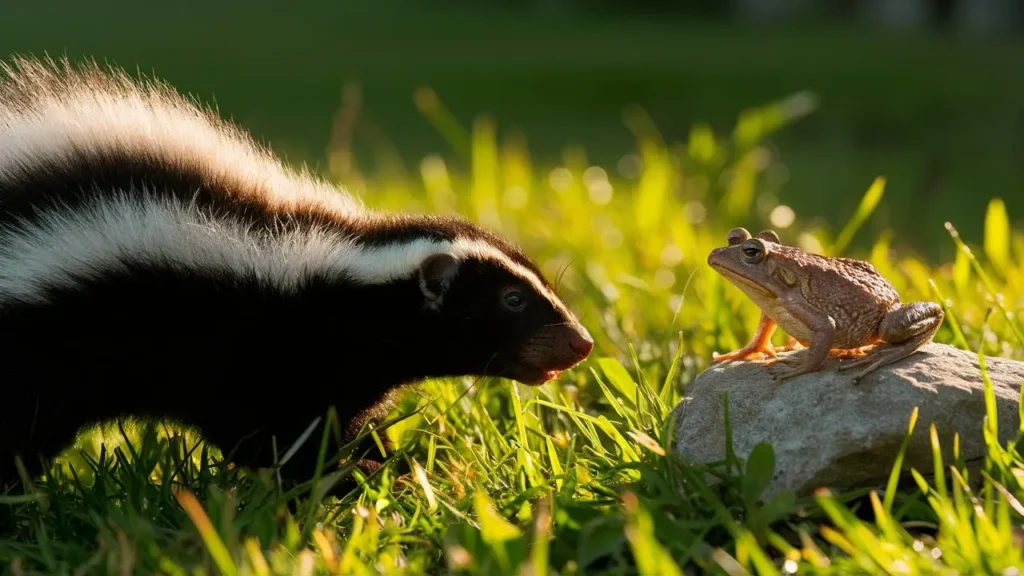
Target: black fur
[(235, 357)]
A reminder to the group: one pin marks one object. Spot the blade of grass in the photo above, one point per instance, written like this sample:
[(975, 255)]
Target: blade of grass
[(867, 205)]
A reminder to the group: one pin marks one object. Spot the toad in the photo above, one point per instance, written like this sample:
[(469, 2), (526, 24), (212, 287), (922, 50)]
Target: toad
[(837, 307)]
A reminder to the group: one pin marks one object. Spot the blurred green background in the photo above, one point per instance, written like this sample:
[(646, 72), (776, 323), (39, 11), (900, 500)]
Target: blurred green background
[(936, 109)]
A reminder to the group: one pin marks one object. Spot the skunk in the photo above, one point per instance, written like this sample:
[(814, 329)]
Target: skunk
[(156, 262)]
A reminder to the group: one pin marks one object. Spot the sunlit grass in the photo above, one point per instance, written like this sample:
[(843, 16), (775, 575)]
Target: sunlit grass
[(577, 476)]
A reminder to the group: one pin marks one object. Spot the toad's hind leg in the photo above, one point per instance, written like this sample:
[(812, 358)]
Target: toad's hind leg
[(903, 332)]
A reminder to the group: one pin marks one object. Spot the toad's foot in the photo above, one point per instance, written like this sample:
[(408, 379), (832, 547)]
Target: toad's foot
[(859, 352), (791, 367), (748, 352), (759, 347), (882, 355), (805, 361)]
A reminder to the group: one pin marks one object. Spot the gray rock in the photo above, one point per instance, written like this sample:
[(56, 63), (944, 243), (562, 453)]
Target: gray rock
[(827, 431)]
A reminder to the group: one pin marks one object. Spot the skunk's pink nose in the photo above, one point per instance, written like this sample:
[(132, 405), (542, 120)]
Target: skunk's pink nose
[(581, 342)]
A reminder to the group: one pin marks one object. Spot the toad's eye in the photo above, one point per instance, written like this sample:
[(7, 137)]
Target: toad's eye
[(753, 250), (514, 300)]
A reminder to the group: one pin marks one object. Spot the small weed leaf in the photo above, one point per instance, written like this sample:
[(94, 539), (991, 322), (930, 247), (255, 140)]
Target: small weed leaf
[(759, 472), (778, 506)]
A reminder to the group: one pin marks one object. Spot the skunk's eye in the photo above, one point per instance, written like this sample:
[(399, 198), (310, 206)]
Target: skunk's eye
[(514, 300)]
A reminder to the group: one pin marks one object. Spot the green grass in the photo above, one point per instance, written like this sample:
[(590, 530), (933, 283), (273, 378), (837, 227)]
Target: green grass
[(575, 476)]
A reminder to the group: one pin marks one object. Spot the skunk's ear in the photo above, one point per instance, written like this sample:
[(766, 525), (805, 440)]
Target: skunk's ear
[(436, 274)]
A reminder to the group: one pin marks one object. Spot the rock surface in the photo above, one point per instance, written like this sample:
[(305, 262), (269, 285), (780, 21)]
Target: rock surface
[(827, 431)]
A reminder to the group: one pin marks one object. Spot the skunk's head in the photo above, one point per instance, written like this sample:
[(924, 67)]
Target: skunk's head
[(503, 315), (483, 306)]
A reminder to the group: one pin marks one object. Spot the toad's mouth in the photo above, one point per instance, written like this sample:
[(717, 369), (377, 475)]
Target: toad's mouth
[(744, 282)]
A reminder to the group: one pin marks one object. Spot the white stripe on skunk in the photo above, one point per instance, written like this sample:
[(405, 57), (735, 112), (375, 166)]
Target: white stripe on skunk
[(50, 110), (52, 113)]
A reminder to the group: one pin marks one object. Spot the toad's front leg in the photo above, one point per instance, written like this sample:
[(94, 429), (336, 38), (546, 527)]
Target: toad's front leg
[(822, 329), (760, 344), (903, 331)]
